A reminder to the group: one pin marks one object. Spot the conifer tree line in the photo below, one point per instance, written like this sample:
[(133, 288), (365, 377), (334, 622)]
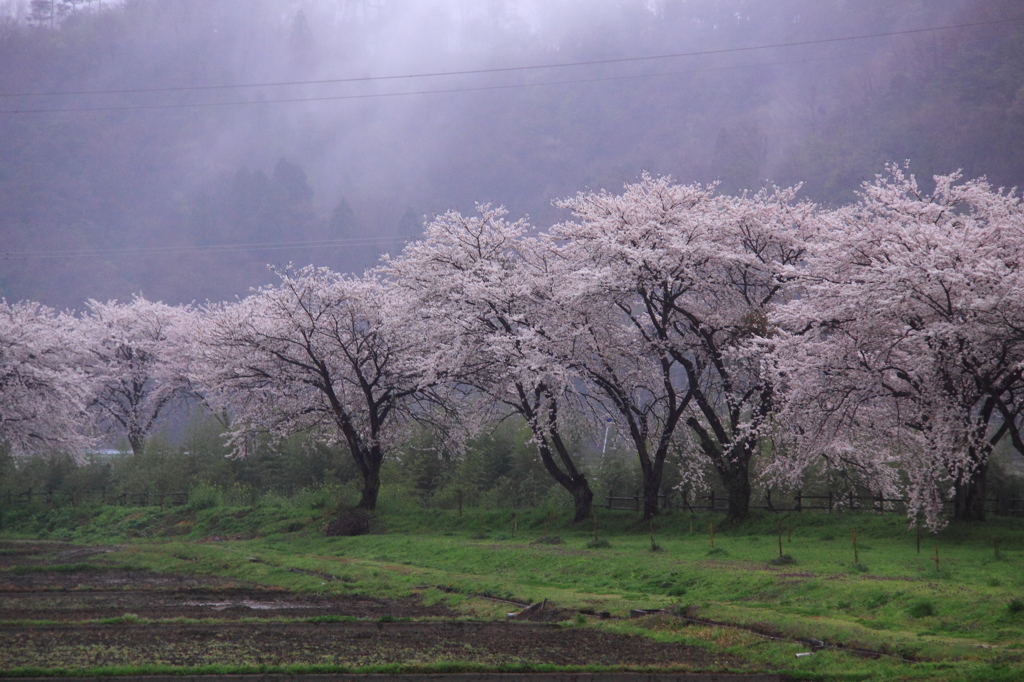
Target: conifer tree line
[(756, 335)]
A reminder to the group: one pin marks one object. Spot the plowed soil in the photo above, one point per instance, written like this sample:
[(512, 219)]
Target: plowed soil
[(75, 592)]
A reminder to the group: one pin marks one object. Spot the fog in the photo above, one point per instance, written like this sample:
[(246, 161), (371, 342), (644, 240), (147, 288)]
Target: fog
[(177, 148)]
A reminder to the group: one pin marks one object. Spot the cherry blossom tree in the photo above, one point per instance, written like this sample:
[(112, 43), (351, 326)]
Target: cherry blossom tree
[(484, 290), (134, 364), (43, 387), (912, 329), (673, 285), (314, 353)]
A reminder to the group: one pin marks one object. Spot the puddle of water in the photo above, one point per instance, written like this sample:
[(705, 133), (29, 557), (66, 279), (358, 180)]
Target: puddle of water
[(249, 604)]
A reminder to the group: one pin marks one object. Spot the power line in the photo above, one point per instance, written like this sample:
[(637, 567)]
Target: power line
[(209, 248), (509, 69), (481, 88)]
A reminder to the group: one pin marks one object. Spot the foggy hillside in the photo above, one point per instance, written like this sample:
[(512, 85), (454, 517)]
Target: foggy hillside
[(176, 148)]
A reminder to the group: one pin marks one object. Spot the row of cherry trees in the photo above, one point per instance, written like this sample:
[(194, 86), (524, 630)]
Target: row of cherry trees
[(758, 335), (66, 379)]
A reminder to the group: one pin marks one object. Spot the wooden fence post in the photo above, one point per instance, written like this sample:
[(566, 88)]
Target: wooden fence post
[(711, 500), (917, 522), (829, 501), (799, 501)]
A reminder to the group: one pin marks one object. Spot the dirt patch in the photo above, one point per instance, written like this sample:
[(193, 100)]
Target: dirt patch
[(229, 603), (24, 553), (350, 644), (98, 577), (69, 584)]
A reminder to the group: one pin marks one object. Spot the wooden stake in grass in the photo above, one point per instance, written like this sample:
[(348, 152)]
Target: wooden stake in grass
[(594, 512), (778, 524), (789, 529), (936, 558), (856, 558), (515, 524), (460, 504), (918, 524), (711, 531)]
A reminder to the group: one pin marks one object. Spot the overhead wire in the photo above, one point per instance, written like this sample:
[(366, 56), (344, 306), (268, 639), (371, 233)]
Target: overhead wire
[(531, 67), (203, 248), (376, 95)]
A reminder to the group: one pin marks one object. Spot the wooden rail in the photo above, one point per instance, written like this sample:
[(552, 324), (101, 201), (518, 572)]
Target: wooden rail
[(799, 502)]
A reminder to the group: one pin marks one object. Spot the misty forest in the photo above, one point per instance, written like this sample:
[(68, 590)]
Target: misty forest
[(320, 316)]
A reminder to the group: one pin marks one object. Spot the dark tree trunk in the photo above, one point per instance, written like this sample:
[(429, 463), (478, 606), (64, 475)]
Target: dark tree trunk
[(574, 482), (737, 487), (371, 487), (138, 443), (540, 410), (582, 499), (969, 496), (652, 474), (734, 468)]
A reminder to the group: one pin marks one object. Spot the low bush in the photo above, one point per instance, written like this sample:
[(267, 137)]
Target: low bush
[(348, 523)]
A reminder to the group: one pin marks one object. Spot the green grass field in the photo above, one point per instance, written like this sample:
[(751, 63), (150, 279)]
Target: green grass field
[(961, 620)]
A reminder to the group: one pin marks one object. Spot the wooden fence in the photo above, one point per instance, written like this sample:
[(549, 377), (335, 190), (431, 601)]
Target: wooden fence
[(712, 501), (74, 497), (798, 502)]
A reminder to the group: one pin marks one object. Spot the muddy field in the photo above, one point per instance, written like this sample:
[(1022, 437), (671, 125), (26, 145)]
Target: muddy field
[(43, 616)]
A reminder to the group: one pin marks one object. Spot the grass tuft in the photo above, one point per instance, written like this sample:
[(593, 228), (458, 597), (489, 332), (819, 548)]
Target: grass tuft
[(921, 609)]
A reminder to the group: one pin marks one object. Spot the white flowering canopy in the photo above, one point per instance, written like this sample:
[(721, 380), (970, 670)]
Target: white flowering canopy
[(668, 288), (907, 352), (135, 364), (313, 353), (43, 386)]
